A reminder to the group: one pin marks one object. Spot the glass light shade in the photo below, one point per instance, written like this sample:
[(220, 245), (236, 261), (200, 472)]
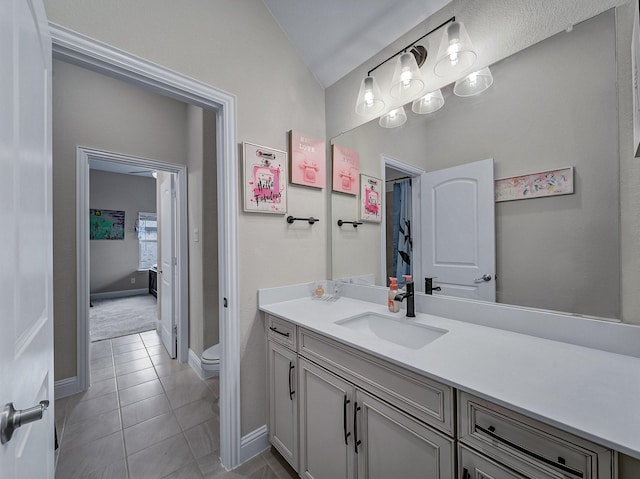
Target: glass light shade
[(396, 117), (369, 98), (429, 103), (407, 80), (475, 83), (456, 53)]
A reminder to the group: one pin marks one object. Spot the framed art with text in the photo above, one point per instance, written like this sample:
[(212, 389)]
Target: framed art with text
[(307, 160), (265, 179), (370, 199), (346, 167)]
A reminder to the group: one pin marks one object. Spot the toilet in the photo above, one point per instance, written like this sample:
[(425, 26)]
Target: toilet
[(210, 361)]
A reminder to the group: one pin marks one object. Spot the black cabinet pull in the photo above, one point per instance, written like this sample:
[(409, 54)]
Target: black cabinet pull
[(291, 391), (559, 464), (465, 474), (279, 332), (356, 442), (344, 420)]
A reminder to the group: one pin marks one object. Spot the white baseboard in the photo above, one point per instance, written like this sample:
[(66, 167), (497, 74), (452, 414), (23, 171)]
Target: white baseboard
[(66, 387), (119, 294), (254, 443), (194, 362)]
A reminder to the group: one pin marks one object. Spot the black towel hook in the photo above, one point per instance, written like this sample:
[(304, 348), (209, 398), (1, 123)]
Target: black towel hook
[(310, 219), (354, 223)]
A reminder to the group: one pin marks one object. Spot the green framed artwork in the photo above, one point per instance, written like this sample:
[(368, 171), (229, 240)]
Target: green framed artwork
[(106, 224)]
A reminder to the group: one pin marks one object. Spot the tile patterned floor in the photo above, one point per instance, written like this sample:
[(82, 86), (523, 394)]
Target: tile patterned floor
[(147, 416)]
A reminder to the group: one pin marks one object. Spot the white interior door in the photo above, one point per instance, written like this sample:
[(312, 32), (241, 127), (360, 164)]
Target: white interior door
[(167, 263), (458, 230), (26, 303)]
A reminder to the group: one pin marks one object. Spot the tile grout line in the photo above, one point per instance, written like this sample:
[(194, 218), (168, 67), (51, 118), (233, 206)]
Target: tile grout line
[(124, 446)]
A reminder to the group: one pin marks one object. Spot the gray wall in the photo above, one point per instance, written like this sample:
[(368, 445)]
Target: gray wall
[(203, 230), (115, 262), (552, 105)]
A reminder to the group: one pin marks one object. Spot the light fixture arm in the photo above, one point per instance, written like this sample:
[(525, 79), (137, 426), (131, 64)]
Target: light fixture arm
[(452, 19)]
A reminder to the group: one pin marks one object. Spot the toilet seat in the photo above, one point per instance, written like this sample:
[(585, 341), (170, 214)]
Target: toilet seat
[(210, 361), (211, 355)]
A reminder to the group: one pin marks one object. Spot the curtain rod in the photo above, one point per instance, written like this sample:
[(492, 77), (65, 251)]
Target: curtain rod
[(398, 179)]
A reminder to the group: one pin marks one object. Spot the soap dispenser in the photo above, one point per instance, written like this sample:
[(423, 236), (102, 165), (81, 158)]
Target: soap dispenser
[(394, 306)]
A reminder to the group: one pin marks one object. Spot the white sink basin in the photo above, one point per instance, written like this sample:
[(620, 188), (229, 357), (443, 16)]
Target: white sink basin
[(402, 331)]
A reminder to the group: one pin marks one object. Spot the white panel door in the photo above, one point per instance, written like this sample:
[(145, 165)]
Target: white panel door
[(458, 230), (167, 263), (26, 274)]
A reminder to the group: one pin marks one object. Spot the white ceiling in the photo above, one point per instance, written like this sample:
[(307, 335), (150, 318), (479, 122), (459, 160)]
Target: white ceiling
[(336, 36)]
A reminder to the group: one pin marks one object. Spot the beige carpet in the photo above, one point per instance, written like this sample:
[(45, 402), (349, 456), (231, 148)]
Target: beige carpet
[(110, 318)]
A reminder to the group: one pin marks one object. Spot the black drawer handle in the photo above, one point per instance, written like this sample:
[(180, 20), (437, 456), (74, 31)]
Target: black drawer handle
[(344, 420), (465, 474), (278, 332), (356, 442), (291, 391), (557, 464)]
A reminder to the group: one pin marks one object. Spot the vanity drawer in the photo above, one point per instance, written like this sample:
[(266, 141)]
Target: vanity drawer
[(282, 332), (425, 399), (528, 446)]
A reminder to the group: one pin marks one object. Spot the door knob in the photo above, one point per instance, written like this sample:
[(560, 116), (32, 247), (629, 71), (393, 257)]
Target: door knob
[(484, 277), (11, 419)]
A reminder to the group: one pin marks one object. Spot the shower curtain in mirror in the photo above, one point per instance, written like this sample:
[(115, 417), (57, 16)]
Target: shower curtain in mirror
[(402, 241)]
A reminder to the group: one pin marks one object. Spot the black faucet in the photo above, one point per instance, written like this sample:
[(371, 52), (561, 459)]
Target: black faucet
[(408, 294), (428, 286)]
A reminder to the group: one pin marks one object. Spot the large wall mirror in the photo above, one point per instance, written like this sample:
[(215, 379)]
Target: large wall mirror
[(552, 105)]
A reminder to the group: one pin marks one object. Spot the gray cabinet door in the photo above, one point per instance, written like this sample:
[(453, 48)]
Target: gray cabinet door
[(283, 402), (326, 415), (395, 445), (473, 465)]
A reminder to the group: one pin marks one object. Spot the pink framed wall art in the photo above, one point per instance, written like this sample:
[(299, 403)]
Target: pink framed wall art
[(265, 179), (370, 199), (346, 167), (308, 161), (536, 185)]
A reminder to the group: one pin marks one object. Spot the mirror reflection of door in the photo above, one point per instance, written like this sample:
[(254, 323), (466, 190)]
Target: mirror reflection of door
[(458, 230)]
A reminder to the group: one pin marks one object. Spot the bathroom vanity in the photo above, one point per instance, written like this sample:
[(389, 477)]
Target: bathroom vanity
[(356, 391)]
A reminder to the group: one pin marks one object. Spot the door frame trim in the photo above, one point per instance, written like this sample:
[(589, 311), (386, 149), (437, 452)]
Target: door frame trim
[(83, 157), (91, 54), (416, 174)]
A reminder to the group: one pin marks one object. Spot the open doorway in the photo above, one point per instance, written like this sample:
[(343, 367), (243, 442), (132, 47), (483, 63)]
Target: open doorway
[(401, 250), (171, 249), (123, 246), (98, 57)]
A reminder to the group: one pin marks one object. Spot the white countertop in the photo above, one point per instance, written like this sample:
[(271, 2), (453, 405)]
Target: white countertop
[(592, 393)]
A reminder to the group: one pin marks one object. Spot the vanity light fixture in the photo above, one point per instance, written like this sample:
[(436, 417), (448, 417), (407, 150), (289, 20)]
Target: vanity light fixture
[(407, 80), (456, 53), (394, 118), (455, 57), (428, 103), (474, 83)]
